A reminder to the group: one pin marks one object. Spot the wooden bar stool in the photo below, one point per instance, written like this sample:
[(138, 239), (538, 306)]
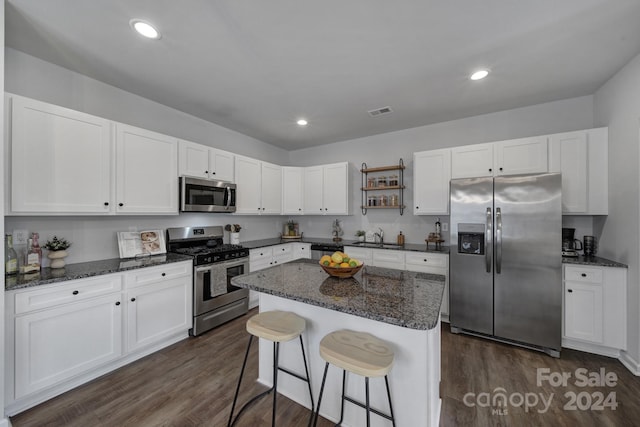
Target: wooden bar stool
[(359, 353), (275, 326)]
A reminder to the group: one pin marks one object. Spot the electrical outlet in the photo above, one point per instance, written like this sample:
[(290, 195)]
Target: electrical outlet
[(445, 226), (20, 237)]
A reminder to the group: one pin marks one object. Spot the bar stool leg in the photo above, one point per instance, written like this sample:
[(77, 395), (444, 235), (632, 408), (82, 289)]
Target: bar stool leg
[(393, 419), (244, 364), (306, 370), (276, 350), (344, 381), (324, 378), (366, 392)]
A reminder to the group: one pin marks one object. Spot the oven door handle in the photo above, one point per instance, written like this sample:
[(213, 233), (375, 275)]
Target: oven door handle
[(205, 268)]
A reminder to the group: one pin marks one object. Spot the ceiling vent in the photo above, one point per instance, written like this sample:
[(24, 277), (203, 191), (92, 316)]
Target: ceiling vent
[(380, 112)]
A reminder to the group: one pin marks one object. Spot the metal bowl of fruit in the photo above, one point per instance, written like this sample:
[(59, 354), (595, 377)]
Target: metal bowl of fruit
[(340, 265)]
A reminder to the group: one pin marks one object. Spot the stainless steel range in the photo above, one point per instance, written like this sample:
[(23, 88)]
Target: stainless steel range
[(215, 300)]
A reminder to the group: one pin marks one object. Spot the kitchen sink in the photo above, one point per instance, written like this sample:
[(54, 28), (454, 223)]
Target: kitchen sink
[(376, 245)]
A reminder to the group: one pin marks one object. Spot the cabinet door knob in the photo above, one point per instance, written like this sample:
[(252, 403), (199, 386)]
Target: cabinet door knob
[(417, 207), (164, 274), (299, 209), (117, 302), (569, 290), (133, 299), (500, 169), (120, 204), (106, 203), (326, 209), (213, 173), (75, 292), (490, 170), (584, 274), (206, 171), (425, 260)]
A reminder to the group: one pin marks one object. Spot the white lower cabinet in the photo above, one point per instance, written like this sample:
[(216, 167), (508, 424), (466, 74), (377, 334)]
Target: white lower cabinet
[(300, 250), (594, 301), (387, 259), (61, 335), (429, 262), (158, 311)]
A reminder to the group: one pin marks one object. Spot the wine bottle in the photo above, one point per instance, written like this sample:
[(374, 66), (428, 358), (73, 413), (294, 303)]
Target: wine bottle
[(36, 247), (10, 256), (31, 262)]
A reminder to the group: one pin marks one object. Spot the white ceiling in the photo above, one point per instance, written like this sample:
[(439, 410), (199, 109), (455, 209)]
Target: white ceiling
[(256, 66)]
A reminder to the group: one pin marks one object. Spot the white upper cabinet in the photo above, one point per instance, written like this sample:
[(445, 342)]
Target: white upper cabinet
[(146, 171), (582, 158), (204, 162), (512, 157), (471, 161), (431, 176), (259, 187), (327, 189), (60, 160), (292, 190), (521, 156)]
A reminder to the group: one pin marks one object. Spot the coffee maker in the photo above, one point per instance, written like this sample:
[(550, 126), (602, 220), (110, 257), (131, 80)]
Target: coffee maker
[(570, 245)]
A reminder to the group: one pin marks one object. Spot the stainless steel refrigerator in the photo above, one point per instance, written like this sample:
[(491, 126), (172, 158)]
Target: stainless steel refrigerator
[(506, 259)]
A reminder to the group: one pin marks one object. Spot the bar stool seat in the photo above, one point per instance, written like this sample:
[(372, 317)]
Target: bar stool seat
[(277, 327), (360, 353)]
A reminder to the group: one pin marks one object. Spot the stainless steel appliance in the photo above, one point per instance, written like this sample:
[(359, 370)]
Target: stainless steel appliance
[(215, 300), (505, 269), (570, 245), (203, 195), (320, 249)]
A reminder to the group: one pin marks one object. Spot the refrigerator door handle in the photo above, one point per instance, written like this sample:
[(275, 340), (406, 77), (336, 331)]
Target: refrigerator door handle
[(498, 241), (487, 240)]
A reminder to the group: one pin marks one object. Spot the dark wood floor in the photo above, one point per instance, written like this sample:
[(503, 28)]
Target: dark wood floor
[(192, 382)]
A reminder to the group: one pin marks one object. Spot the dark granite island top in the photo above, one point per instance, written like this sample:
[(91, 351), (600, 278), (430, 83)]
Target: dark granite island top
[(397, 297)]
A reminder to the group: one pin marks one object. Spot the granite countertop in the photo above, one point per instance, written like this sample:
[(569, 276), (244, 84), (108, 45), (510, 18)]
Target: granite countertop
[(414, 247), (88, 269), (595, 261), (402, 298)]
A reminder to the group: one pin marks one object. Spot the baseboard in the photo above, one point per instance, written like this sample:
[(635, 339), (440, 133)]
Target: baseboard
[(4, 422), (591, 348), (630, 363)]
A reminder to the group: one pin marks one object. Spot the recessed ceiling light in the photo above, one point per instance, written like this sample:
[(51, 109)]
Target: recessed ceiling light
[(302, 122), (479, 75), (144, 28)]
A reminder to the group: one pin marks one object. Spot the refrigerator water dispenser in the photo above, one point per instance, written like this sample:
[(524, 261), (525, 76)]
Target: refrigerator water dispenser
[(471, 239)]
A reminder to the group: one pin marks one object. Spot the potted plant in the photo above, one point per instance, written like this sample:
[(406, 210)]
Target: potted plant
[(234, 233), (360, 234), (57, 251)]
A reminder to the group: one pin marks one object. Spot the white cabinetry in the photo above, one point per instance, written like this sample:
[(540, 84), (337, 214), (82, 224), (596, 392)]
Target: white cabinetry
[(292, 190), (429, 262), (327, 189), (431, 176), (361, 254), (259, 186), (512, 157), (159, 303), (595, 309), (146, 171), (387, 258), (200, 161), (61, 331), (582, 158), (61, 335), (60, 160), (520, 156), (470, 161)]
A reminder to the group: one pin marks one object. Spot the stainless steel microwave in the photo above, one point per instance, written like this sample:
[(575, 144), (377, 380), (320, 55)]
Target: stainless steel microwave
[(203, 195)]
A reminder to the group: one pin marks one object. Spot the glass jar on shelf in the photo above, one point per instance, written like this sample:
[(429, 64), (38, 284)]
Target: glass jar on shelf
[(382, 181), (393, 180), (393, 200), (383, 200), (371, 201), (371, 182)]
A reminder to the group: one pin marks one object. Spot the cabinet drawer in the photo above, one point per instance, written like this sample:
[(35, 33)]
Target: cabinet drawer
[(427, 259), (583, 274), (149, 275), (386, 256), (260, 254), (68, 292), (282, 250)]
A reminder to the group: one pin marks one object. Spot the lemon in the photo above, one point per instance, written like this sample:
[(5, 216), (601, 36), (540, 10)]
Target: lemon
[(325, 260), (336, 257), (344, 264)]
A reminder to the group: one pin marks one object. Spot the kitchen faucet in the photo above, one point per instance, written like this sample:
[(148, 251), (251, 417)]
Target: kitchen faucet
[(379, 236)]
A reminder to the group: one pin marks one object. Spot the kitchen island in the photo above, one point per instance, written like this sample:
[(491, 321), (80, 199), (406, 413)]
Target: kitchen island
[(397, 306)]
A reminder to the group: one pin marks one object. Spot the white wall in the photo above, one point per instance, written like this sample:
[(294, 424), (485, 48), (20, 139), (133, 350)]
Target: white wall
[(617, 105), (34, 78), (388, 148), (3, 421)]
